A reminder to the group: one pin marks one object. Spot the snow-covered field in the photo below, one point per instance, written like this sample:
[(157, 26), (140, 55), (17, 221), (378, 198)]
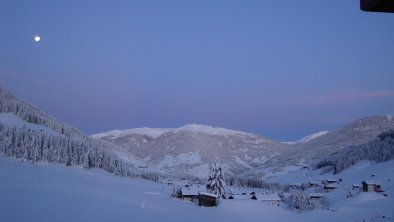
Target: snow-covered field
[(31, 192)]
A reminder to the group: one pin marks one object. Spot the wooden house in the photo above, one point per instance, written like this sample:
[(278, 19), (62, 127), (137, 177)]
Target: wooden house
[(370, 186), (314, 196), (207, 199), (330, 187), (329, 181), (272, 199), (314, 183), (356, 186)]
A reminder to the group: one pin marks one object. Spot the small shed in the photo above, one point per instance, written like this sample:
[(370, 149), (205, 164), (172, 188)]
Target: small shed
[(356, 186), (370, 186), (331, 180), (272, 199), (189, 193), (314, 183), (207, 199)]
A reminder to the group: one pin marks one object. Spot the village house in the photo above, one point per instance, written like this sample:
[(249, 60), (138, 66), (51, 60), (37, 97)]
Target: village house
[(314, 196), (329, 187), (330, 181), (314, 183), (272, 199), (356, 186), (207, 199), (370, 186)]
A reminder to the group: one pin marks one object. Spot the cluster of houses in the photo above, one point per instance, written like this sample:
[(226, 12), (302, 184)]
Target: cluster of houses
[(331, 184), (205, 199)]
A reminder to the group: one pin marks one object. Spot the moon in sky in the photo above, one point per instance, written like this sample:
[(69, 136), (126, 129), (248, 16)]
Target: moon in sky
[(37, 38)]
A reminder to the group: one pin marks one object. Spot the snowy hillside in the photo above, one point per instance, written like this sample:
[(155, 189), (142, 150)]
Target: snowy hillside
[(58, 193), (356, 133), (308, 138), (29, 134), (189, 149)]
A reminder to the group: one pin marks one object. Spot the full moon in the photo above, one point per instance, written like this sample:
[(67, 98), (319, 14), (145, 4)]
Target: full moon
[(37, 38)]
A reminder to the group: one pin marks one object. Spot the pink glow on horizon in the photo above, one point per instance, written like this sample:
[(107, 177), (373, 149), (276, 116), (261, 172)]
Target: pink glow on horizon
[(348, 96)]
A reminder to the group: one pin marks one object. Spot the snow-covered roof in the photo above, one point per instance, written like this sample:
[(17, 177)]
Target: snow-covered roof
[(370, 182), (209, 194), (268, 197), (314, 182), (331, 186), (187, 191), (316, 195)]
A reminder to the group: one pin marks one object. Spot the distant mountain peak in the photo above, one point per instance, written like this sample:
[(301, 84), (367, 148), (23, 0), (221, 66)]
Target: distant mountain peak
[(157, 132), (198, 128)]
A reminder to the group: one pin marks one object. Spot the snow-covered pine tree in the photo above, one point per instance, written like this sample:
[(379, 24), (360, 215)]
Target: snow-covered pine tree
[(216, 183), (300, 201)]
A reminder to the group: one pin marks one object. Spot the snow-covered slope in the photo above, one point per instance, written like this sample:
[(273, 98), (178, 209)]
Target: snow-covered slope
[(9, 119), (30, 134), (359, 132), (58, 193), (188, 149), (308, 138)]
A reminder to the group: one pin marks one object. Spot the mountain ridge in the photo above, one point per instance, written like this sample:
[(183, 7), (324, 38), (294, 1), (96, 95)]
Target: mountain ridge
[(193, 145)]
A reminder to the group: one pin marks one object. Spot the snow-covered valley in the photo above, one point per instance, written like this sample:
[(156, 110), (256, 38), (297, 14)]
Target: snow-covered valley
[(64, 175), (46, 192)]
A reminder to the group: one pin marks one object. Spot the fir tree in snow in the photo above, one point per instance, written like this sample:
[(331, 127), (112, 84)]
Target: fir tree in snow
[(216, 183), (300, 201)]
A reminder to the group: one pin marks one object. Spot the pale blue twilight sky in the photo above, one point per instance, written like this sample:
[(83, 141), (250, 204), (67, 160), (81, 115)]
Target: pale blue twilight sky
[(283, 69)]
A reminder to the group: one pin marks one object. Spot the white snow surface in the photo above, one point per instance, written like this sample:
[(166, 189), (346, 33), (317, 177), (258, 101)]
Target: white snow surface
[(34, 192), (157, 132)]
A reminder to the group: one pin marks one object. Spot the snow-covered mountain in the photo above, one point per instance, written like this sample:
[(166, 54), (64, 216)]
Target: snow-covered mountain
[(188, 149), (28, 133), (358, 132)]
